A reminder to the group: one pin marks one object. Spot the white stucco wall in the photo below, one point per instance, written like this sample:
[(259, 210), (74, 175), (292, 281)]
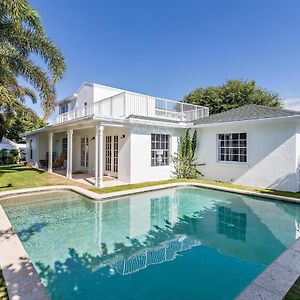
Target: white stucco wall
[(85, 94), (124, 150), (101, 92), (298, 155), (28, 149), (140, 154), (271, 155), (43, 146), (77, 135)]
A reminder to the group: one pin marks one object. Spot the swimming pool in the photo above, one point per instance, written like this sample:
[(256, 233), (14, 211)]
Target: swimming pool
[(179, 243)]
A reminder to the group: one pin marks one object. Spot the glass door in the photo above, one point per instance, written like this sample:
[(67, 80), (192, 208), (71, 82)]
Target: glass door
[(84, 153), (112, 155)]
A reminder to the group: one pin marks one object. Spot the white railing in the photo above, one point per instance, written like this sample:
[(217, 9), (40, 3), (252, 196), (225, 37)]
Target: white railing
[(128, 103)]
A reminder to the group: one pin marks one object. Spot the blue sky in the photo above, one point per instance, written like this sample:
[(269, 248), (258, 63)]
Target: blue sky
[(167, 48)]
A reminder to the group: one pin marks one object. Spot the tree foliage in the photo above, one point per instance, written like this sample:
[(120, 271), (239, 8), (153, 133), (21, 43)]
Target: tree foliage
[(185, 163), (24, 120), (22, 39), (232, 94)]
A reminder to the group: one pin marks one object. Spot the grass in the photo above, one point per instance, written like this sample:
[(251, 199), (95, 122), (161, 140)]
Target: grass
[(294, 292), (208, 182), (19, 176), (3, 292), (132, 186)]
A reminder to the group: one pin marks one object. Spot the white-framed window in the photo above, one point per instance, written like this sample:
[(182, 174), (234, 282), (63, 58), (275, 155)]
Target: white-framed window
[(160, 149), (232, 147), (116, 153), (84, 152), (63, 108), (108, 152)]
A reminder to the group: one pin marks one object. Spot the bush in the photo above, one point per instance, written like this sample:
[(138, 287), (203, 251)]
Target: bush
[(184, 160), (9, 156)]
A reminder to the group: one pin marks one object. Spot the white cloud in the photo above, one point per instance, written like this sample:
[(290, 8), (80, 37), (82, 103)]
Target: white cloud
[(292, 103)]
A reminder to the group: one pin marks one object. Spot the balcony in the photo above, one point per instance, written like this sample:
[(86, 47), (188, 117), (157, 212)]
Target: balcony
[(126, 103)]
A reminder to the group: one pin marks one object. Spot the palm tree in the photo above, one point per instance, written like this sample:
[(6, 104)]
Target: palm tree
[(21, 37)]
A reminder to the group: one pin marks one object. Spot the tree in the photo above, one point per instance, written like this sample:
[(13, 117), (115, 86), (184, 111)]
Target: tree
[(185, 163), (22, 38), (232, 94), (25, 120)]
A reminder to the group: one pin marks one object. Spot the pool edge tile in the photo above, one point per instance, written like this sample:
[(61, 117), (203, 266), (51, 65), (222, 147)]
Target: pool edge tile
[(21, 277), (270, 281), (109, 196)]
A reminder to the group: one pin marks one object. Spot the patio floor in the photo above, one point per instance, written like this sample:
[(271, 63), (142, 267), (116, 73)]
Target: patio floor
[(90, 180)]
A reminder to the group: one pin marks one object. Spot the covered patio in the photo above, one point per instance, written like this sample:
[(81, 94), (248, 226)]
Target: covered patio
[(88, 152), (85, 178)]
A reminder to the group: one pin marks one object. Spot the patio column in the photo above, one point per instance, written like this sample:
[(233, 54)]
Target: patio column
[(50, 151), (70, 153), (99, 156)]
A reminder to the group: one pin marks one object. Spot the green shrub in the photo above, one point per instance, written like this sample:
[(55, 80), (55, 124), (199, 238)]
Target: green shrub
[(185, 163), (9, 156)]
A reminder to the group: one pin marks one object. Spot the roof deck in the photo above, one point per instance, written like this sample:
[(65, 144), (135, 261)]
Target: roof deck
[(127, 103)]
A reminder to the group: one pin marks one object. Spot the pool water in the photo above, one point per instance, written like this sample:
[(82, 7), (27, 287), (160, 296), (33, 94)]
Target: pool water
[(179, 243)]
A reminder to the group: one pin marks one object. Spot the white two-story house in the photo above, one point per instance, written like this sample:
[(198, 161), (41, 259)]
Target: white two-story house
[(102, 130)]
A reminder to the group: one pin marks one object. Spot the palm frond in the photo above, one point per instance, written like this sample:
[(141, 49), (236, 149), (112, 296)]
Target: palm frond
[(20, 11), (21, 36), (27, 41)]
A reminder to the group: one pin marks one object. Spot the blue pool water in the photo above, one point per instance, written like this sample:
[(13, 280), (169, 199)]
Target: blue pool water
[(180, 243)]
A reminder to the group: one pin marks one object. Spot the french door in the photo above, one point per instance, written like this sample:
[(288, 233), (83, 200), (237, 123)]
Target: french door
[(84, 153), (112, 155)]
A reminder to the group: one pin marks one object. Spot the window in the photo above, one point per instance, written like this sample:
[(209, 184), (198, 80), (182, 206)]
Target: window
[(160, 150), (31, 150), (108, 153), (232, 224), (65, 147), (232, 147), (63, 108), (116, 153), (84, 152)]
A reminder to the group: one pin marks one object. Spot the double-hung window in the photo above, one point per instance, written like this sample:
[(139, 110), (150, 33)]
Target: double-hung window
[(160, 150), (232, 147)]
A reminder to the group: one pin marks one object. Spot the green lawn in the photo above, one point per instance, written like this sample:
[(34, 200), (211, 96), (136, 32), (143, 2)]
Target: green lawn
[(3, 293), (294, 292), (19, 176)]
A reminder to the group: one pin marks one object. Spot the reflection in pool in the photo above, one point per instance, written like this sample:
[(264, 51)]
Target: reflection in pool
[(180, 243)]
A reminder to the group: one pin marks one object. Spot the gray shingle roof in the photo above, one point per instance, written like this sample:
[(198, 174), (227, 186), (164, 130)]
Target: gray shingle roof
[(152, 119), (247, 112)]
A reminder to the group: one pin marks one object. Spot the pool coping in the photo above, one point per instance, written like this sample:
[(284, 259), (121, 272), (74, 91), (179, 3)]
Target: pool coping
[(23, 281), (107, 196), (21, 278)]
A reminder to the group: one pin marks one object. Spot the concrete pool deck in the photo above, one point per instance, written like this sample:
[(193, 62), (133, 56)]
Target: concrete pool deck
[(23, 281)]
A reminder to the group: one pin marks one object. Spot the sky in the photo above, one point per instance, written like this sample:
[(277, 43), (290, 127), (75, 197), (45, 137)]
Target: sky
[(166, 48)]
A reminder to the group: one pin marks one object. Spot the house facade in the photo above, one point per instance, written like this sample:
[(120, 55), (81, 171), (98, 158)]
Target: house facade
[(102, 130)]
